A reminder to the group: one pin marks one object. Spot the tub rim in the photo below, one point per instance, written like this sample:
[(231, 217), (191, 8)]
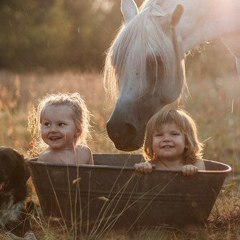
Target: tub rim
[(35, 162)]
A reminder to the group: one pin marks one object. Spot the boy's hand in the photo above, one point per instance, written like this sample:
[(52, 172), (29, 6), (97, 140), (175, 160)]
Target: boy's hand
[(144, 167), (189, 170)]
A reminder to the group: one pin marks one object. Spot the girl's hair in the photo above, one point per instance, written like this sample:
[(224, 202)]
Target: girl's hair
[(73, 100), (186, 125)]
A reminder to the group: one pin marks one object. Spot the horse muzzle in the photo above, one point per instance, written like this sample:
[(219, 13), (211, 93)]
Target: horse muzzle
[(125, 135)]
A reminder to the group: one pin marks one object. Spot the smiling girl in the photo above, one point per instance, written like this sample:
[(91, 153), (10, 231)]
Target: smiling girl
[(172, 143), (63, 124)]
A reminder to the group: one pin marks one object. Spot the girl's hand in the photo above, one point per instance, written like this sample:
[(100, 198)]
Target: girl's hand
[(144, 167), (189, 170)]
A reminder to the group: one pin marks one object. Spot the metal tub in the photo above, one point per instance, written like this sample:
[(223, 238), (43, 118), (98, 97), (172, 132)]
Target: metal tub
[(111, 194)]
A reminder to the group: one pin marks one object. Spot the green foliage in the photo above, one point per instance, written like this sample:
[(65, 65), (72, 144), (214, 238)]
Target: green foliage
[(56, 34)]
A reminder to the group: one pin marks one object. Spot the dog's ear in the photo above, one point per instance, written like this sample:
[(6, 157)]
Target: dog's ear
[(26, 170), (22, 164), (15, 164)]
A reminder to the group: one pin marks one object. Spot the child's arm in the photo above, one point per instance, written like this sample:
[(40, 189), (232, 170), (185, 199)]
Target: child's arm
[(85, 154), (189, 169), (144, 167), (43, 157), (48, 156), (91, 162)]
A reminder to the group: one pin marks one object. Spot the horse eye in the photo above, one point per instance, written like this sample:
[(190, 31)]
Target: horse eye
[(154, 62), (155, 70)]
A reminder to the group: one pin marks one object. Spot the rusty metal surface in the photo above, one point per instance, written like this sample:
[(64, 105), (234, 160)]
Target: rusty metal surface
[(111, 194)]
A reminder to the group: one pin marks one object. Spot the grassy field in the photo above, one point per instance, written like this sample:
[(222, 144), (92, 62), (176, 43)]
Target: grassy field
[(212, 99)]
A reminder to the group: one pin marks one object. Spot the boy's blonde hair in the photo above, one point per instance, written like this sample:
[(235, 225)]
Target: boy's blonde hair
[(186, 125), (73, 100)]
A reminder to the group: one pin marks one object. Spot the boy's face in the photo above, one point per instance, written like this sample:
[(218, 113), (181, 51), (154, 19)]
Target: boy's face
[(58, 128), (169, 142)]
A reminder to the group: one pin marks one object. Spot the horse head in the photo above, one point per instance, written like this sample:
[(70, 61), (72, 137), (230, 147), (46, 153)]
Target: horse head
[(143, 68)]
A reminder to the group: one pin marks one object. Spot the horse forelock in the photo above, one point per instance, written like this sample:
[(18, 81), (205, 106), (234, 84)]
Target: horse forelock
[(140, 39)]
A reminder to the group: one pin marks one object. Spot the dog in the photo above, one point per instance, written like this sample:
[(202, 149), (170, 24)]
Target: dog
[(14, 213)]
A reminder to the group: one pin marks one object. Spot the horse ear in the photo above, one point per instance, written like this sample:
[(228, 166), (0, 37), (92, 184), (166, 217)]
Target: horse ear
[(176, 15), (129, 9)]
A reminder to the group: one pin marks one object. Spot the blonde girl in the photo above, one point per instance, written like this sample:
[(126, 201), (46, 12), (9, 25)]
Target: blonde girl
[(63, 121)]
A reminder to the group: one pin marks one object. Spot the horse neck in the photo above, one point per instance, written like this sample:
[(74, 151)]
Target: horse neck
[(204, 20)]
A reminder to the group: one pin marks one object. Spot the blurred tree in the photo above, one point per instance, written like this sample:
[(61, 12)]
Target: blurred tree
[(57, 34), (93, 27), (33, 34)]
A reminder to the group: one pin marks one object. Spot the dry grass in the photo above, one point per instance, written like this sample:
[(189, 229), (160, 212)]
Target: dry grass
[(214, 102), (19, 92)]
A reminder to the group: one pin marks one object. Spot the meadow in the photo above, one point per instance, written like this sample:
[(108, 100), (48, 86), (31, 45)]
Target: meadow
[(212, 98)]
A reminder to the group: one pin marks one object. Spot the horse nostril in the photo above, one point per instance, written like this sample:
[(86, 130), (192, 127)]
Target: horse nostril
[(118, 133), (131, 131), (124, 133)]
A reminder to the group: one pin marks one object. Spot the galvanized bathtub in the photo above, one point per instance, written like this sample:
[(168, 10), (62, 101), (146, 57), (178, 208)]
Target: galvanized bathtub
[(111, 194)]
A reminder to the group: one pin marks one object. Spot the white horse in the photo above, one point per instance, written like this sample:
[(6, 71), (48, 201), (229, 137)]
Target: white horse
[(145, 64)]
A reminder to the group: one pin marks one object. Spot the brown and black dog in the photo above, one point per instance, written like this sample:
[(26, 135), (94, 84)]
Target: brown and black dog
[(14, 215)]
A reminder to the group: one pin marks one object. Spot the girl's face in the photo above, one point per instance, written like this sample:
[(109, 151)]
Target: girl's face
[(58, 128), (169, 142)]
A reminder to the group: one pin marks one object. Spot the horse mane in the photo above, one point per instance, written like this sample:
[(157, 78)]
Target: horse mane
[(140, 39)]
